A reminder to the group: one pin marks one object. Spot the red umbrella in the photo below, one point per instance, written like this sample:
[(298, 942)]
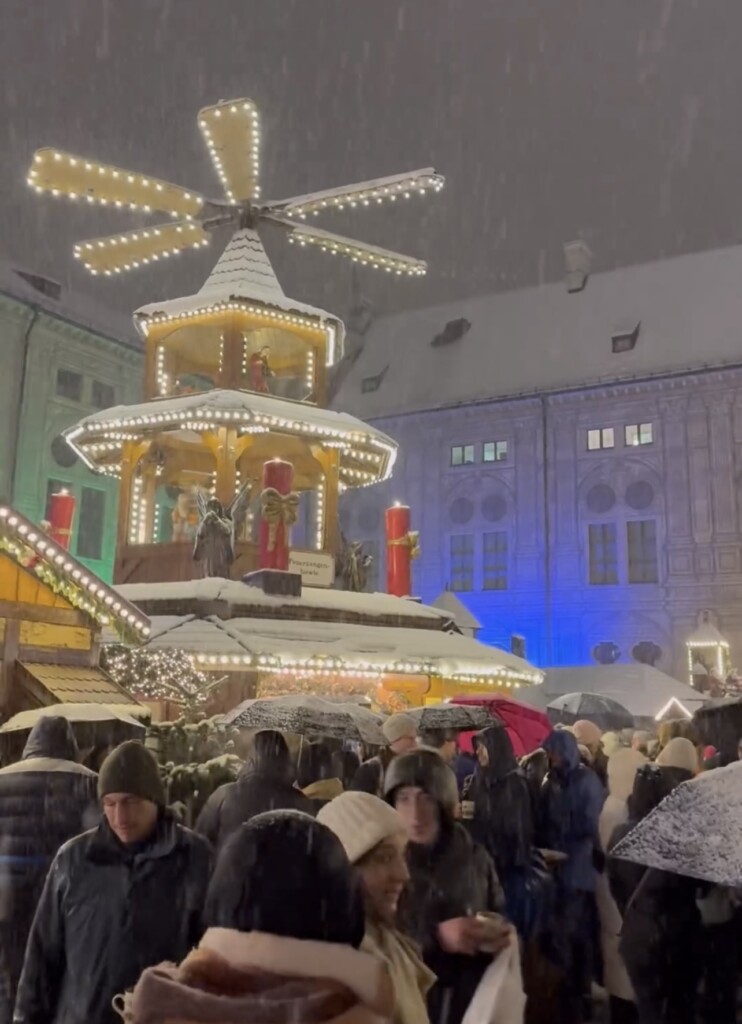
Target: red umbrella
[(527, 727)]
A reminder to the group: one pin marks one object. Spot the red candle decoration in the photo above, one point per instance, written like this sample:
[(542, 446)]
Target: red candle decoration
[(61, 516), (278, 510), (401, 546)]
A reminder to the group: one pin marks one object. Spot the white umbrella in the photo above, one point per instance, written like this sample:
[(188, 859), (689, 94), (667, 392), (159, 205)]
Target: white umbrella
[(695, 831)]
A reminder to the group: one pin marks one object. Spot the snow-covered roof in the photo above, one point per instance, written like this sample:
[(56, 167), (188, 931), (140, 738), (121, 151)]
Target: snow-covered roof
[(242, 273), (71, 307), (707, 635), (30, 547), (367, 454), (237, 596), (323, 646), (643, 690), (545, 339), (449, 602)]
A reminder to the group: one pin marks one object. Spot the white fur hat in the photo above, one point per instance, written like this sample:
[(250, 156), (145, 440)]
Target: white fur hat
[(398, 726), (360, 821)]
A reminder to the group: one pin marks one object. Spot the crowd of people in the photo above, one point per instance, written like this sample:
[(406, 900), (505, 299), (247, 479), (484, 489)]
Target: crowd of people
[(425, 885)]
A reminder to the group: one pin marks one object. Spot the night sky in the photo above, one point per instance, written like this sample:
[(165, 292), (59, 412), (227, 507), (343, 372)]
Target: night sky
[(618, 121)]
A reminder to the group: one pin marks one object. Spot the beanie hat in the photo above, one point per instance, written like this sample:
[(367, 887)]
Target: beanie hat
[(360, 821), (396, 727), (132, 769), (425, 769), (284, 873), (679, 753)]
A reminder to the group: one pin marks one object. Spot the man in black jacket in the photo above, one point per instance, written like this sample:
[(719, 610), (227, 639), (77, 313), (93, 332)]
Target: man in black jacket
[(266, 783), (118, 899), (400, 731), (452, 883), (46, 798)]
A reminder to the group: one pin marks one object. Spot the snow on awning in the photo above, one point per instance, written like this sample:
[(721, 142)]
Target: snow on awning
[(306, 647)]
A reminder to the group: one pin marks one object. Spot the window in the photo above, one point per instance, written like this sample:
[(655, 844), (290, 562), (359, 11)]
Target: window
[(369, 384), (600, 437), (69, 385), (625, 341), (495, 575), (102, 396), (641, 542), (602, 554), (462, 454), (638, 433), (495, 451), (62, 453), (90, 528), (462, 561)]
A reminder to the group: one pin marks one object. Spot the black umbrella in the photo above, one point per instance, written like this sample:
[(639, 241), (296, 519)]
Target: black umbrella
[(456, 717), (604, 712), (306, 715)]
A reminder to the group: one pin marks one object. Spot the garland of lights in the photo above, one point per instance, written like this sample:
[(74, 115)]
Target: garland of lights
[(61, 584), (322, 686), (166, 674)]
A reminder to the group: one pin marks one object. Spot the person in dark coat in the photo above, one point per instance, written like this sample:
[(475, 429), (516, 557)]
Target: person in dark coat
[(464, 766), (400, 731), (661, 930), (285, 919), (315, 774), (45, 799), (117, 899), (571, 801), (452, 881), (501, 810), (266, 783)]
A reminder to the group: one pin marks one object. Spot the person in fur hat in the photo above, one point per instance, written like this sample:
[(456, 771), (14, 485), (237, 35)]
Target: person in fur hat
[(453, 902), (400, 732), (285, 922), (374, 838)]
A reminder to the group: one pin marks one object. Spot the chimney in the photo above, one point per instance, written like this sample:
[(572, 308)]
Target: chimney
[(578, 261)]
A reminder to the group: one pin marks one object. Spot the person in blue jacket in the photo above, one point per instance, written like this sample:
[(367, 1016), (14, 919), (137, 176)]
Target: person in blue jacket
[(572, 798)]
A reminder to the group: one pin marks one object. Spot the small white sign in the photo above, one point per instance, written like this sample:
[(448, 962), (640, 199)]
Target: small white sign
[(317, 568)]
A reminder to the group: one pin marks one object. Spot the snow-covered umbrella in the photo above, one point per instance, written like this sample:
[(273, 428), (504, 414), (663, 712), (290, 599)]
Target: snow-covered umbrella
[(456, 717), (696, 831), (603, 711), (93, 725), (306, 715)]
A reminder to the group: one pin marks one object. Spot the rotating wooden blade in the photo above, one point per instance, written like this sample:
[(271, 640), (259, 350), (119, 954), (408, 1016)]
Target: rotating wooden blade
[(363, 193), (231, 130), (133, 249), (79, 178), (352, 249)]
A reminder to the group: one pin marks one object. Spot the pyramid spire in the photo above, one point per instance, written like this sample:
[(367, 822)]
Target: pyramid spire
[(243, 271)]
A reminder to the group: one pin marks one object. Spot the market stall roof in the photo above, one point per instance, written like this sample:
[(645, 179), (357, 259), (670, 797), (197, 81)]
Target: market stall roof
[(39, 556), (449, 602), (366, 454), (315, 602), (306, 646), (642, 689), (74, 684)]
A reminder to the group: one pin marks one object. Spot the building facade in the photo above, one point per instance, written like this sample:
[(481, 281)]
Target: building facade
[(602, 503), (63, 357)]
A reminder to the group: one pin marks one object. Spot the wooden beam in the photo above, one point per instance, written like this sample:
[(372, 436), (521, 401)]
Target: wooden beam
[(7, 666), (44, 613)]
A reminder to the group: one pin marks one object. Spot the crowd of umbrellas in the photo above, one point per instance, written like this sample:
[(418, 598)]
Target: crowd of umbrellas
[(696, 831)]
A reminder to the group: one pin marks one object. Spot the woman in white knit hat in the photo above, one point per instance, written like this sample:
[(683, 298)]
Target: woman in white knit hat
[(375, 841)]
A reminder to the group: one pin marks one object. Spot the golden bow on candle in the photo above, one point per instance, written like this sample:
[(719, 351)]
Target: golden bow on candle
[(277, 508), (410, 540)]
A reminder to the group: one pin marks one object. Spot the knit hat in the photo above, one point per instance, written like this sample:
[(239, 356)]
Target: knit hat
[(397, 727), (679, 753), (132, 769), (284, 873), (425, 769), (360, 821)]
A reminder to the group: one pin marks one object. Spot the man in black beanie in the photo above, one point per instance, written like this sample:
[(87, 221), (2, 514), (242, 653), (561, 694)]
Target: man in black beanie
[(117, 899)]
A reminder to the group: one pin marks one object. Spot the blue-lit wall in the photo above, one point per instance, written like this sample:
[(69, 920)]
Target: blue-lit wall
[(551, 488)]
